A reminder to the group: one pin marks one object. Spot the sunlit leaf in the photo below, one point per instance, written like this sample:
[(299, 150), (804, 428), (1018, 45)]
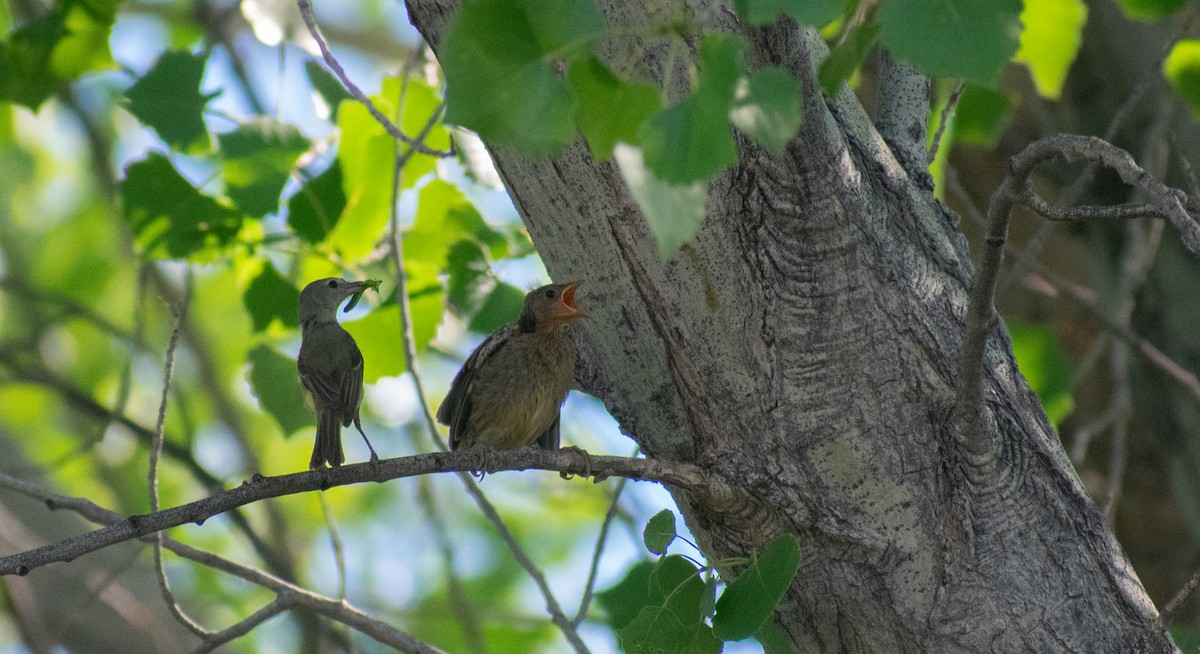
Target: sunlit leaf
[(1050, 41), (846, 57), (378, 337), (328, 87), (1150, 9), (952, 38), (673, 211), (767, 108), (1182, 68), (1044, 365), (367, 155), (276, 383)]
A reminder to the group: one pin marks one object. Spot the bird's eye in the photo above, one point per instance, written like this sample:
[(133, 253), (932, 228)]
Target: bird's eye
[(333, 283), (550, 293)]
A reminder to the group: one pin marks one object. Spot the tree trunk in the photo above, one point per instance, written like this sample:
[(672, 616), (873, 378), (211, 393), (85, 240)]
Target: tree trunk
[(802, 348)]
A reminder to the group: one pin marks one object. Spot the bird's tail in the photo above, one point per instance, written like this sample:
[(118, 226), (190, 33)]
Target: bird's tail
[(328, 447)]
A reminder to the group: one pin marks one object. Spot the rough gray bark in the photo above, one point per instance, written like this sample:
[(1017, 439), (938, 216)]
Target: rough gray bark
[(802, 349)]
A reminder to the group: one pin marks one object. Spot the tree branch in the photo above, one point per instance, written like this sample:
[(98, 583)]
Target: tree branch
[(903, 115), (1017, 189), (259, 488), (416, 143), (340, 611)]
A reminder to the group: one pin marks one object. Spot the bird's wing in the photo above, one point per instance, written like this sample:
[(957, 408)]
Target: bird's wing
[(549, 439), (456, 408), (324, 388), (352, 385)]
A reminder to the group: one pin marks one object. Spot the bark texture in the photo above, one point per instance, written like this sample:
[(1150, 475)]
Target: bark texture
[(802, 349)]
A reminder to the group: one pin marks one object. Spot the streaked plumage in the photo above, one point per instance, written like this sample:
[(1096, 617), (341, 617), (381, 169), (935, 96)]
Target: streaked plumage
[(331, 368), (509, 391)]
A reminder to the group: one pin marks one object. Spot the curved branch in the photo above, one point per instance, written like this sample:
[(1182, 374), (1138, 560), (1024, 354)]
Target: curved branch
[(293, 595), (686, 476), (1016, 189)]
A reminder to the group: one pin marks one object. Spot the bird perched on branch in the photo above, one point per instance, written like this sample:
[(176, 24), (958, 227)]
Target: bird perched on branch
[(331, 366), (509, 391)]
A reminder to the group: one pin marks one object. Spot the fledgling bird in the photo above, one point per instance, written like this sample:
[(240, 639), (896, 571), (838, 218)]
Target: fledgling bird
[(509, 391), (331, 367)]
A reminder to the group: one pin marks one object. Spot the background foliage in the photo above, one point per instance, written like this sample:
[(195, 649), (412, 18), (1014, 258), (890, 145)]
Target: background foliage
[(154, 152)]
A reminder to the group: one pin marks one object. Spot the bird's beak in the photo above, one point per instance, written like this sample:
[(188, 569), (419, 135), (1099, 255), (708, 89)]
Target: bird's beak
[(354, 291), (568, 311)]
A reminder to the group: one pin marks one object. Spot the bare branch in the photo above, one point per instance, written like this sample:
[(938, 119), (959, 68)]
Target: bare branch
[(903, 114), (981, 315), (339, 611), (601, 540), (947, 111), (416, 143), (557, 616), (281, 603), (156, 445), (683, 475)]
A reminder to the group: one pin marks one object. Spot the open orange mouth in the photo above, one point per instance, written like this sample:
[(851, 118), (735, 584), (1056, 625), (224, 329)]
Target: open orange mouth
[(568, 295)]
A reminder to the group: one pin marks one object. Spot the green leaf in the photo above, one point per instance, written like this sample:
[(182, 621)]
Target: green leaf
[(660, 531), (692, 141), (846, 57), (314, 210), (1182, 68), (1044, 365), (767, 108), (275, 382), (674, 212), (328, 87), (952, 38), (1050, 41), (749, 600), (170, 219), (982, 116), (378, 337), (271, 298), (502, 307), (816, 13), (773, 639), (625, 600), (563, 28), (498, 84), (610, 108), (468, 282), (257, 159), (168, 98), (1150, 9), (672, 620), (64, 43)]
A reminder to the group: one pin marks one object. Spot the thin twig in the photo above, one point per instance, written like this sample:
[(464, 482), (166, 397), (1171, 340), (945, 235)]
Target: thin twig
[(459, 601), (1015, 189), (410, 355), (416, 143), (601, 541), (951, 103), (1181, 596), (336, 610), (281, 603), (164, 585)]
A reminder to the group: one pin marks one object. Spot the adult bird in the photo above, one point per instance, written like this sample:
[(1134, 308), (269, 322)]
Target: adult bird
[(331, 367), (509, 391)]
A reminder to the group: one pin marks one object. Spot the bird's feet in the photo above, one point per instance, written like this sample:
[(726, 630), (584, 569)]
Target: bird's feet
[(480, 460), (586, 465)]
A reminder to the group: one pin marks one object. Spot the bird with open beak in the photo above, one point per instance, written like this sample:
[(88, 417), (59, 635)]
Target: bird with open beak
[(331, 366), (509, 391)]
